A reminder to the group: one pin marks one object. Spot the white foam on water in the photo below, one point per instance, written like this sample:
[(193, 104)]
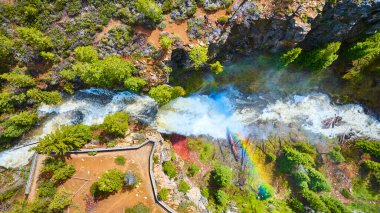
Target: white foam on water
[(84, 107)]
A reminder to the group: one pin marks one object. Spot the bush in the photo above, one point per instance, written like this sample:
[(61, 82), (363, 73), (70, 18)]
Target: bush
[(336, 155), (292, 158), (221, 197), (111, 181), (222, 20), (39, 96), (150, 9), (295, 205), (222, 175), (18, 79), (216, 67), (56, 170), (8, 101), (370, 147), (163, 194), (317, 181), (204, 149), (120, 160), (47, 189), (205, 192), (193, 169), (169, 169), (163, 94), (34, 37), (314, 201), (199, 56), (183, 187), (116, 124), (134, 84), (166, 42), (346, 193), (63, 173), (60, 201), (290, 56), (17, 125), (49, 56), (6, 46), (86, 54), (138, 208), (321, 58), (65, 139), (334, 205)]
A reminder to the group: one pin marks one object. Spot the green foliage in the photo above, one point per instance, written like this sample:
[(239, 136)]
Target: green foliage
[(183, 186), (63, 173), (334, 204), (205, 192), (65, 139), (150, 9), (7, 194), (6, 46), (56, 170), (199, 56), (120, 160), (222, 175), (346, 193), (363, 206), (134, 84), (86, 54), (169, 169), (167, 6), (336, 155), (138, 208), (314, 201), (204, 149), (223, 19), (18, 79), (370, 147), (371, 166), (60, 201), (119, 36), (295, 205), (166, 42), (111, 181), (163, 194), (216, 67), (18, 124), (193, 169), (317, 181), (304, 147), (363, 54), (47, 189), (221, 197), (116, 124), (8, 101), (321, 58), (39, 96), (163, 94), (290, 56), (49, 56), (125, 15), (108, 73), (34, 37), (291, 158)]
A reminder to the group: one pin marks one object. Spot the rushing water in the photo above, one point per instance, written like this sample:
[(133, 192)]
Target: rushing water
[(273, 103)]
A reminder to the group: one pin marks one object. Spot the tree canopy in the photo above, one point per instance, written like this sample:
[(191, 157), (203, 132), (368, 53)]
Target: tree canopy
[(199, 56), (222, 175), (116, 124), (163, 94)]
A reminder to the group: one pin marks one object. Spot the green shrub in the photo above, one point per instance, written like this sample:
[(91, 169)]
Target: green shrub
[(6, 46), (166, 42), (321, 58), (216, 67), (290, 56), (317, 181), (6, 195), (86, 54), (291, 158), (199, 56), (314, 201), (18, 79), (49, 56), (163, 94), (304, 147), (183, 187), (138, 208), (56, 170), (169, 169), (193, 169), (163, 194), (120, 160), (46, 97), (134, 84), (295, 205), (60, 201), (370, 147), (334, 204), (346, 193), (205, 192), (223, 19), (16, 125), (65, 139), (336, 155), (63, 173), (222, 175), (111, 181), (47, 189), (34, 37), (221, 197), (150, 9), (116, 124), (204, 149)]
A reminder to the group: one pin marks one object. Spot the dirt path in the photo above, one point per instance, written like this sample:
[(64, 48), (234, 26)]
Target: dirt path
[(92, 167), (33, 188)]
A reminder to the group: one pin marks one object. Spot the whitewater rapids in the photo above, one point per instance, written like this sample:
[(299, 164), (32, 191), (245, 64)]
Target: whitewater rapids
[(257, 116)]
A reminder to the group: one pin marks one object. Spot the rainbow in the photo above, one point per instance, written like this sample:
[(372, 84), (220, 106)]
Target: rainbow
[(243, 151)]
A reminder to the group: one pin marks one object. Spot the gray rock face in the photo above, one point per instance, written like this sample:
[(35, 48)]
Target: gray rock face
[(307, 23)]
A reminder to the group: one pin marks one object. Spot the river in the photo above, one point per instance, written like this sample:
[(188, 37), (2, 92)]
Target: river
[(260, 106)]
